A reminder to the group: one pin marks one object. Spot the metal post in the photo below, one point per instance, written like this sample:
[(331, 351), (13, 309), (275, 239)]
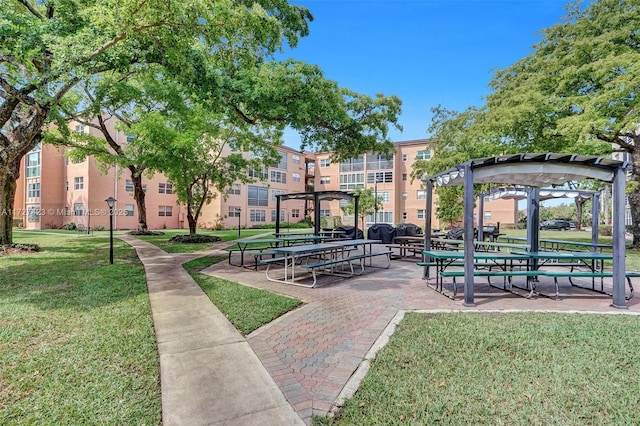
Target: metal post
[(239, 217), (111, 202)]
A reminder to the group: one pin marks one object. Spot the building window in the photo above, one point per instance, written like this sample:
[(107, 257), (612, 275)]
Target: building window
[(421, 214), (379, 161), (423, 155), (128, 209), (383, 196), (487, 217), (275, 192), (405, 195), (295, 159), (404, 215), (295, 213), (78, 183), (235, 189), (278, 177), (234, 211), (380, 177), (351, 181), (273, 215), (128, 185), (325, 212), (283, 161), (78, 209), (33, 213), (165, 210), (404, 157), (383, 217), (165, 188), (33, 190), (295, 177), (257, 196), (130, 138), (33, 164), (422, 194), (325, 180), (257, 215), (325, 162), (353, 165), (258, 173), (404, 176), (79, 128)]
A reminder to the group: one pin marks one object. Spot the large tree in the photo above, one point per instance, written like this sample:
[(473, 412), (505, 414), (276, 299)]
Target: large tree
[(578, 91), (47, 47), (368, 205)]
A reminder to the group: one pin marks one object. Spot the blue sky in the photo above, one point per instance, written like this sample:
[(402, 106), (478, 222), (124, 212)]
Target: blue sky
[(426, 52)]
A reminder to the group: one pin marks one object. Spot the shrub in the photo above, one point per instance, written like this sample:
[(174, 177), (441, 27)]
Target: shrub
[(605, 230), (69, 226)]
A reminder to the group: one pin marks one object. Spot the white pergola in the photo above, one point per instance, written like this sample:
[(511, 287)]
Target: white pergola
[(534, 171), (525, 193)]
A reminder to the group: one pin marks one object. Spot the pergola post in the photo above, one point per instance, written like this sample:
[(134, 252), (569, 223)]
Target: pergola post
[(277, 215), (480, 217), (533, 219), (595, 219), (356, 202), (427, 225), (468, 236), (619, 243)]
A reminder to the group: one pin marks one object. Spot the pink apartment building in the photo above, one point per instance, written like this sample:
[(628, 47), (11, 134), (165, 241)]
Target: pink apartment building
[(53, 191)]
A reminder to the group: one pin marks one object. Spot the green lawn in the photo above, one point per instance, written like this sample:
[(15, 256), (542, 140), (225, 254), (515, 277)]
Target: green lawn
[(76, 337), (503, 369), (163, 242), (633, 256), (247, 308)]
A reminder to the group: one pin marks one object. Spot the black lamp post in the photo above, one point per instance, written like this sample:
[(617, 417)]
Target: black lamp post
[(238, 212), (111, 202)]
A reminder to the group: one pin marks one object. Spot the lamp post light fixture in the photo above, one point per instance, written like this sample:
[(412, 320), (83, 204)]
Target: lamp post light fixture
[(239, 216), (111, 202)]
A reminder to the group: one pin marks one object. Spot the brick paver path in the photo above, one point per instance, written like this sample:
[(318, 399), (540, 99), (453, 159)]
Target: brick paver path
[(313, 351)]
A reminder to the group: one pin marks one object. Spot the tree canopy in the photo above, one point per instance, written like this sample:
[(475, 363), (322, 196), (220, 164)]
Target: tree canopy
[(576, 92), (221, 51)]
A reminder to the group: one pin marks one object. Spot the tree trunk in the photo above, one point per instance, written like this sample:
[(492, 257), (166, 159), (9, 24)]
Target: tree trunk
[(579, 212), (191, 220), (8, 177), (139, 196), (634, 198)]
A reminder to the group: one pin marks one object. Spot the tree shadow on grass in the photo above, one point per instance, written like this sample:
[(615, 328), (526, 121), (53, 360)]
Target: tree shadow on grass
[(72, 274)]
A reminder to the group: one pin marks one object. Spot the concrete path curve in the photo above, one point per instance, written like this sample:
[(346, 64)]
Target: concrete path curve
[(209, 374)]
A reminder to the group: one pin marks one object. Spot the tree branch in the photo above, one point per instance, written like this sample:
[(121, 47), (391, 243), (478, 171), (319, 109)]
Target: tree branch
[(31, 9)]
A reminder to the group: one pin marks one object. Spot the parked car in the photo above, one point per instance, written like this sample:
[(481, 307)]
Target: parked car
[(559, 224)]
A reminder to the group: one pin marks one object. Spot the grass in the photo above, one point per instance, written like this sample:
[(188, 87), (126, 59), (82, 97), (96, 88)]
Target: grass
[(247, 308), (162, 241), (76, 337), (529, 368)]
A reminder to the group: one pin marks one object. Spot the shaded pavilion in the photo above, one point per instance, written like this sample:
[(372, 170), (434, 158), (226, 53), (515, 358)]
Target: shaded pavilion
[(525, 193), (315, 198), (534, 171)]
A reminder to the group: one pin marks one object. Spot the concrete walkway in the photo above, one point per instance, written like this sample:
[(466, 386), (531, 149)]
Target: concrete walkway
[(209, 373), (303, 363)]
